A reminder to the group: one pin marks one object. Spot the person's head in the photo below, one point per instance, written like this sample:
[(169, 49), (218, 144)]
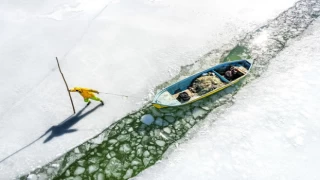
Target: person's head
[(228, 75), (75, 89)]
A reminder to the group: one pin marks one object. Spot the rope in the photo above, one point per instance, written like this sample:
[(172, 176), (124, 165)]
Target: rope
[(120, 95)]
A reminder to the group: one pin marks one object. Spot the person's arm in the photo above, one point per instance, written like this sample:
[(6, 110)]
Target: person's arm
[(72, 90), (95, 91), (239, 70)]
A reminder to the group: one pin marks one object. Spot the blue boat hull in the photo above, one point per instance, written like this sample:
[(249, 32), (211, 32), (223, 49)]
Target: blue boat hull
[(185, 83)]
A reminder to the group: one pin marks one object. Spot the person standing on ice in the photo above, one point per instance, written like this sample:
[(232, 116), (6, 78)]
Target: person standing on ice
[(87, 94)]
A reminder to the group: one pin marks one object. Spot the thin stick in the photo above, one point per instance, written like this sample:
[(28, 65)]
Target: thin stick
[(65, 82)]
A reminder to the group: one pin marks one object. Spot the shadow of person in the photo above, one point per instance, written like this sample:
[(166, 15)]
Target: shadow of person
[(58, 130), (65, 126)]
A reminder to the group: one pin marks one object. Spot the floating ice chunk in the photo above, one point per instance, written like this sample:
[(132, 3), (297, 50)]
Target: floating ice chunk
[(128, 174), (125, 148), (205, 108), (113, 167), (123, 137), (77, 178), (50, 170), (112, 141), (55, 165), (157, 132), (117, 175), (129, 121), (146, 161), (42, 176), (160, 143), (146, 154), (108, 156), (198, 112), (98, 140), (161, 122), (79, 170), (147, 119), (70, 178), (100, 176), (192, 121), (135, 162), (145, 139), (151, 147), (32, 177), (112, 153), (81, 162), (93, 168), (167, 130), (67, 173), (164, 135), (156, 112), (94, 160), (170, 119), (177, 125), (139, 152), (180, 113)]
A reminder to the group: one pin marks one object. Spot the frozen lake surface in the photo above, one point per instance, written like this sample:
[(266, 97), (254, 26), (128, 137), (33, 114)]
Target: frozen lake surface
[(114, 46)]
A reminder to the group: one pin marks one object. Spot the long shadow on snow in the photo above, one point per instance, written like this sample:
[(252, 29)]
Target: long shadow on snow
[(64, 127), (58, 130)]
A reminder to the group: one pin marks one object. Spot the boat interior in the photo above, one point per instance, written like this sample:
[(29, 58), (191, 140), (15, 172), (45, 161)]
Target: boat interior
[(169, 96)]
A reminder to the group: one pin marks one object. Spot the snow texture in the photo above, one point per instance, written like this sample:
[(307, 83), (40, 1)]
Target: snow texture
[(109, 45), (271, 131)]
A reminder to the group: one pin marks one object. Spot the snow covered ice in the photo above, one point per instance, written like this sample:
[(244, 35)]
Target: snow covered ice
[(111, 46), (270, 132)]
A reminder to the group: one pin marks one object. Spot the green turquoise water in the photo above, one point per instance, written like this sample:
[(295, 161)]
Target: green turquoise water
[(239, 52)]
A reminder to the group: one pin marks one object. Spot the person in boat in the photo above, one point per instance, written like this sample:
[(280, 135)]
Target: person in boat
[(205, 83), (87, 94), (234, 73)]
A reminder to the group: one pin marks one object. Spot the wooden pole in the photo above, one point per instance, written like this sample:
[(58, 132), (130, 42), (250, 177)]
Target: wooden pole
[(65, 82)]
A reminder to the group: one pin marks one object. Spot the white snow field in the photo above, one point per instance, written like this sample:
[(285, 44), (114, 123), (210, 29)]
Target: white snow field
[(272, 131), (124, 47)]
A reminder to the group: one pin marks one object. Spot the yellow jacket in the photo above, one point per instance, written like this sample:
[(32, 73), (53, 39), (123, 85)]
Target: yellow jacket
[(84, 92)]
